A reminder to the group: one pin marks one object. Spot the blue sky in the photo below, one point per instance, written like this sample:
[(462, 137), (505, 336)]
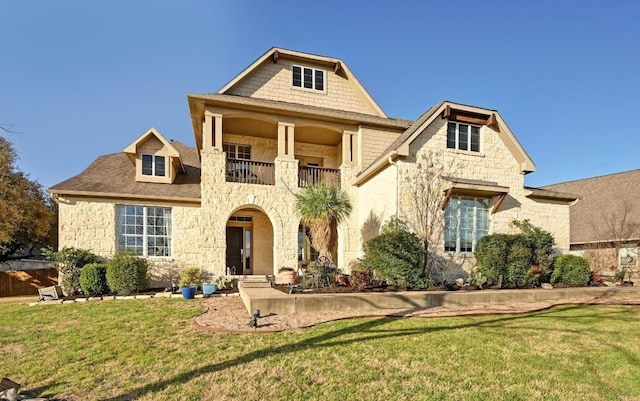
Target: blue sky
[(79, 79)]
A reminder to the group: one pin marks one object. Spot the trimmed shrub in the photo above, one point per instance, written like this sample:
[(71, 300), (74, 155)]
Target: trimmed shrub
[(491, 256), (70, 262), (522, 259), (571, 270), (396, 255), (519, 261), (127, 273), (93, 279), (191, 276)]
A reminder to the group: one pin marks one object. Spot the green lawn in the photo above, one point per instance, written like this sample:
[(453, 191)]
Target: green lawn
[(149, 350)]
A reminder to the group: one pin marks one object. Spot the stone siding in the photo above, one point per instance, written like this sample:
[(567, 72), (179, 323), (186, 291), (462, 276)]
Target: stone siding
[(495, 163), (273, 81)]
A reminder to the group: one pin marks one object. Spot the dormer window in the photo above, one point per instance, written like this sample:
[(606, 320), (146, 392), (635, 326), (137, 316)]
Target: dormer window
[(153, 165), (463, 137), (308, 78)]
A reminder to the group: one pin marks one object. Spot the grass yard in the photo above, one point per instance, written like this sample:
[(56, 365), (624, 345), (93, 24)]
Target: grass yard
[(149, 350)]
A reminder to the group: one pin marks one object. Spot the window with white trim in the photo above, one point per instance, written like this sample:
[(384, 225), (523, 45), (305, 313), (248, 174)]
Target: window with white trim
[(308, 78), (466, 220), (236, 151), (144, 230), (153, 165), (463, 137)]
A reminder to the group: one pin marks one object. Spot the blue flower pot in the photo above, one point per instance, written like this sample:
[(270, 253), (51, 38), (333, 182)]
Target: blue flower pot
[(189, 292), (209, 289)]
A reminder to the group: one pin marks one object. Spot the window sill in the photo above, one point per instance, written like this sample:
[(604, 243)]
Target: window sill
[(465, 152), (310, 90)]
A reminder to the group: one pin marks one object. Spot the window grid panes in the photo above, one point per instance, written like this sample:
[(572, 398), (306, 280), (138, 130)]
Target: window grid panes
[(466, 221), (308, 78), (463, 137), (235, 151), (153, 165), (144, 230)]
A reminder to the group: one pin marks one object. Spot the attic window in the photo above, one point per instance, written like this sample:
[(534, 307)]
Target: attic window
[(307, 78), (153, 165), (463, 137)]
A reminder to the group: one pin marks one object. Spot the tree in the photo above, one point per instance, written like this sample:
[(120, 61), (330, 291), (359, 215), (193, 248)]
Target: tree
[(426, 186), (322, 207), (27, 213)]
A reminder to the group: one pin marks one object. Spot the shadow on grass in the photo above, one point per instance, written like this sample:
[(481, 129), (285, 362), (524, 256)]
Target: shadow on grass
[(375, 327)]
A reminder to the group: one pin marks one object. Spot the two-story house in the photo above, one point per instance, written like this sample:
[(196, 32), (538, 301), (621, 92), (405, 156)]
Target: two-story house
[(290, 119)]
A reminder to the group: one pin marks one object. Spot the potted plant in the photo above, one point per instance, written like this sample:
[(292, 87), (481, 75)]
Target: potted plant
[(287, 275), (190, 278)]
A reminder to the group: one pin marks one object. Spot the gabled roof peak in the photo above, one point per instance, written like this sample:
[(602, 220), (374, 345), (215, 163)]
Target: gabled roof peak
[(275, 53)]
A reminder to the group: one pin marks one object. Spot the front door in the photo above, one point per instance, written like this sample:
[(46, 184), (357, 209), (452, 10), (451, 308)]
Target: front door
[(235, 248)]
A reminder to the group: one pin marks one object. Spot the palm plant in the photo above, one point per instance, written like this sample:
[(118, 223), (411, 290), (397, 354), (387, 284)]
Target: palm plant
[(322, 207)]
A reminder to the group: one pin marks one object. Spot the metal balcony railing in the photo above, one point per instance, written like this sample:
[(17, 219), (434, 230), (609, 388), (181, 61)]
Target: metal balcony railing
[(250, 172), (312, 175)]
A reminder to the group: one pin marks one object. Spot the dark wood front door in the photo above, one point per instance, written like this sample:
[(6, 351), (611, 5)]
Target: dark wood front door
[(235, 247)]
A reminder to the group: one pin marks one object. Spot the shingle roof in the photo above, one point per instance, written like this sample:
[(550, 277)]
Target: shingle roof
[(114, 175), (603, 202)]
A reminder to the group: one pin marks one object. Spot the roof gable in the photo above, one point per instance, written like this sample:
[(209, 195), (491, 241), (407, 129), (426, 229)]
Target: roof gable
[(269, 77), (400, 147), (132, 149)]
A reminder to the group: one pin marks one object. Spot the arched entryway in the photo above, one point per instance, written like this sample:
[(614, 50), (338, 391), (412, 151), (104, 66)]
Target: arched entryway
[(249, 235)]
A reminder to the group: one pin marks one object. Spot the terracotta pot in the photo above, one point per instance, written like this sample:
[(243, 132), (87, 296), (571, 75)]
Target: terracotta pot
[(288, 277)]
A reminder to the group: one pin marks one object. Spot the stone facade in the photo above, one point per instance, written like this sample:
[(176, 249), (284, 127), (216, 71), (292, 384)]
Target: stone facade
[(372, 172)]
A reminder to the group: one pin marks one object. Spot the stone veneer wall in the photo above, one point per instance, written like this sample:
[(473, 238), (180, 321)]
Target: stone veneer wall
[(273, 81), (91, 224), (494, 164)]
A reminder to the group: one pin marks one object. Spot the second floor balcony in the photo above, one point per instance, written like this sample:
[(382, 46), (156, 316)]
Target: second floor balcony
[(250, 172)]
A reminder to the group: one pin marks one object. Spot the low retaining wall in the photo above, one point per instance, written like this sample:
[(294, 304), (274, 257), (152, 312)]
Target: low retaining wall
[(269, 300)]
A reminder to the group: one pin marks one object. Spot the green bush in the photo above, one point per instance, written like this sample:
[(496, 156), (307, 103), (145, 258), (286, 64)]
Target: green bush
[(491, 256), (127, 273), (93, 279), (522, 259), (571, 270), (519, 260), (396, 255), (70, 262)]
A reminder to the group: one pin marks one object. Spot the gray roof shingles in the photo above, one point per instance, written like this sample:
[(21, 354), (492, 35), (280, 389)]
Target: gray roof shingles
[(114, 174), (603, 202)]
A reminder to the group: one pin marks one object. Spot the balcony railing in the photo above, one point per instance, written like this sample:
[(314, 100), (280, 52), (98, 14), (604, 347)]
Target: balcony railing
[(312, 175), (250, 172)]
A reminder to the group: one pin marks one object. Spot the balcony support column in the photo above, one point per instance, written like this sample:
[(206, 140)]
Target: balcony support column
[(349, 148), (286, 138), (212, 135)]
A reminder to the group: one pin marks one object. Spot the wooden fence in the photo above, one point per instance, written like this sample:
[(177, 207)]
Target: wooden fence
[(15, 283)]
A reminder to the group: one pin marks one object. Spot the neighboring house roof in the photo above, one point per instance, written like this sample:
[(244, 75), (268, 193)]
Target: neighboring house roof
[(608, 208), (197, 103), (114, 176), (274, 53), (400, 147)]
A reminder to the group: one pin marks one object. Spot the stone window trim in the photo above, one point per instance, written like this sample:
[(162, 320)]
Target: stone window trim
[(153, 165), (146, 230), (310, 79)]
